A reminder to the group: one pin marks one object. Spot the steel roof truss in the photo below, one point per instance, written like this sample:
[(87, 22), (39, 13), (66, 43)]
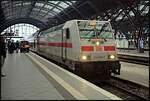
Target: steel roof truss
[(75, 9), (41, 8), (21, 7), (30, 8)]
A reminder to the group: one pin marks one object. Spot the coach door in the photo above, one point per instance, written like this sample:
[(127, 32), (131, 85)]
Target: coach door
[(38, 43), (65, 36), (35, 47)]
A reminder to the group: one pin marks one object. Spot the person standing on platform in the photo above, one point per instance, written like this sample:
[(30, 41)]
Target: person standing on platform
[(17, 46), (3, 51), (9, 47), (13, 46)]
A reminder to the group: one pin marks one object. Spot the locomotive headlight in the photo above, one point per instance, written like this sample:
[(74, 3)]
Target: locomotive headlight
[(84, 57), (111, 56), (97, 43)]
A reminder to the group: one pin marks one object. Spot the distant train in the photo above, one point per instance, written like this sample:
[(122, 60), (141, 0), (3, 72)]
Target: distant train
[(87, 47), (24, 46)]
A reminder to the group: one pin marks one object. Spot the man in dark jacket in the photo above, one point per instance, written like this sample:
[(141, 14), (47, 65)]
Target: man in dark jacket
[(2, 52), (17, 46)]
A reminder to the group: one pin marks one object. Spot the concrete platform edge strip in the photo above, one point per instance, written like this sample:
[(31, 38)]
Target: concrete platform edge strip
[(70, 89)]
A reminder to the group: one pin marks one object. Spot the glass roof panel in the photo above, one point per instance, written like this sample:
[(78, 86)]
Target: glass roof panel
[(36, 9), (26, 3), (48, 6), (33, 12), (131, 13), (141, 6), (146, 10), (69, 2), (5, 2), (64, 5), (73, 1), (39, 4), (17, 4), (146, 1), (43, 11), (6, 5), (119, 17), (115, 15), (120, 10), (50, 13), (56, 10), (54, 2)]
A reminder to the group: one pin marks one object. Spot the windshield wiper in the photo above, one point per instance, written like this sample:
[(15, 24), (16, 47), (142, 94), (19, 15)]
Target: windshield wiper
[(104, 39), (102, 29), (96, 32)]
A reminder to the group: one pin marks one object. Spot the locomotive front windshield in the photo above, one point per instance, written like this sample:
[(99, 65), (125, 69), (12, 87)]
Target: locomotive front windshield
[(95, 30)]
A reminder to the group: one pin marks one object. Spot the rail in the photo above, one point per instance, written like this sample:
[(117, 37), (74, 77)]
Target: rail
[(134, 59), (125, 89)]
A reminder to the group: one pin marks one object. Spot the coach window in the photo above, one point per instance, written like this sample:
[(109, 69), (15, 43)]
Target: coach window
[(67, 33)]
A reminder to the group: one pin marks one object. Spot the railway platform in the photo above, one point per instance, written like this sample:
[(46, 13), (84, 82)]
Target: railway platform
[(133, 53), (134, 72), (30, 77)]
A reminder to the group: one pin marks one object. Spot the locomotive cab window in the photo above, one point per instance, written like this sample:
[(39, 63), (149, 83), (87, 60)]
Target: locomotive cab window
[(95, 30), (67, 33)]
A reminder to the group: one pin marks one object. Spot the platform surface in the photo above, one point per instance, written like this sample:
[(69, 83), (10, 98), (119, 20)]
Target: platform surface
[(133, 53), (30, 77), (135, 73)]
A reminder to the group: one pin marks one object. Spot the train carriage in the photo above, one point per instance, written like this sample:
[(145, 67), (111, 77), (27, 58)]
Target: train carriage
[(85, 46)]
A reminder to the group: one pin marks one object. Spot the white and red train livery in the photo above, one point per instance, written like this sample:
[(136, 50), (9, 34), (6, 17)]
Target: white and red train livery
[(85, 46)]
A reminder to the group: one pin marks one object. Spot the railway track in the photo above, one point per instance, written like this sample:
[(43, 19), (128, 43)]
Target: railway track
[(134, 59), (125, 89)]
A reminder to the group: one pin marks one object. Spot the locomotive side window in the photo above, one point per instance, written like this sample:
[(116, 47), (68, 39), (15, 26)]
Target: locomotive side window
[(67, 33)]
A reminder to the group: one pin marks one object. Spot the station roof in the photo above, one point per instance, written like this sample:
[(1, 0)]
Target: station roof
[(47, 13), (36, 12)]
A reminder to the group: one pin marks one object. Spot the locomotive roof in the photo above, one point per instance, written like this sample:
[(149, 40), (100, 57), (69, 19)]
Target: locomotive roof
[(62, 25)]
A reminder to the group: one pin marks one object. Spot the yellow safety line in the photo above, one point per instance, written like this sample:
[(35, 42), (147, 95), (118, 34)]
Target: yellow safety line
[(70, 89)]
